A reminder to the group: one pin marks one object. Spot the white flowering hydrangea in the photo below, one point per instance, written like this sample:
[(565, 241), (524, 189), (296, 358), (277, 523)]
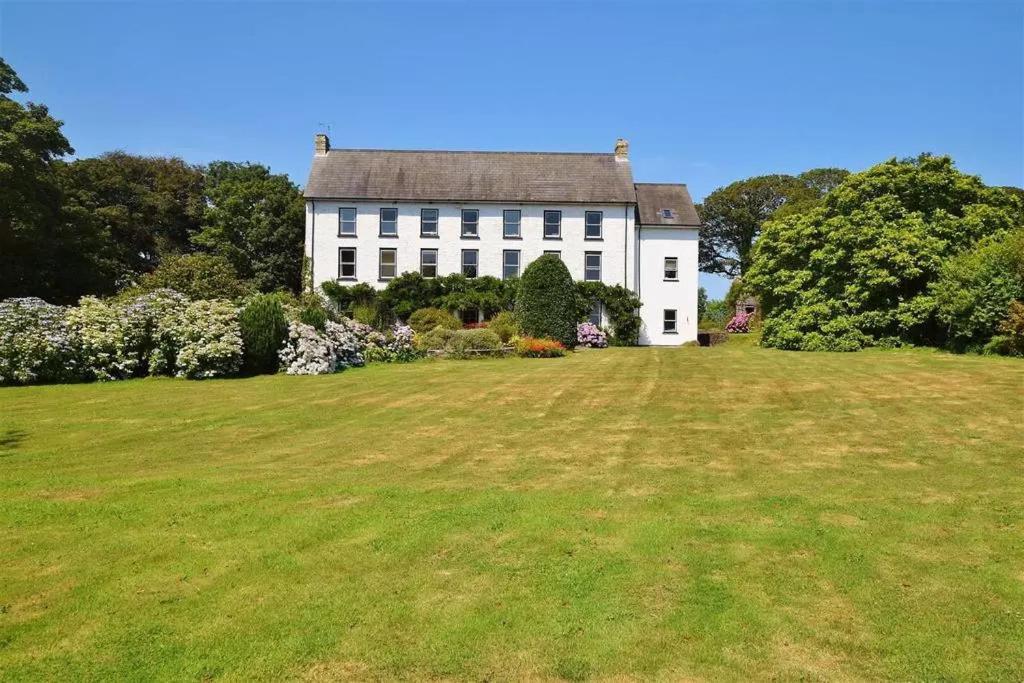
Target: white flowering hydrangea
[(36, 343), (157, 313), (208, 339), (394, 346), (307, 351), (111, 342)]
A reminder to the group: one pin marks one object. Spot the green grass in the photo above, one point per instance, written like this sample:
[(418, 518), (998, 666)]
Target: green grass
[(652, 513)]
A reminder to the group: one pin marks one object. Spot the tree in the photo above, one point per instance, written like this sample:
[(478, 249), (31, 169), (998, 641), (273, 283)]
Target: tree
[(824, 180), (198, 276), (145, 208), (39, 254), (732, 216), (855, 271), (256, 220), (547, 302)]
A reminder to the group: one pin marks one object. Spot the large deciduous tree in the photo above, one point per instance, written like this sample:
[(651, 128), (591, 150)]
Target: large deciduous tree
[(39, 255), (146, 208), (255, 219), (855, 271), (732, 216)]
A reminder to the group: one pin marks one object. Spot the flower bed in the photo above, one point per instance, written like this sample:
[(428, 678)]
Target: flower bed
[(532, 347)]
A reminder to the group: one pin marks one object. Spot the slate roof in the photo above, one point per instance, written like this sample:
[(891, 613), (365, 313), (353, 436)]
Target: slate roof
[(528, 177), (654, 198)]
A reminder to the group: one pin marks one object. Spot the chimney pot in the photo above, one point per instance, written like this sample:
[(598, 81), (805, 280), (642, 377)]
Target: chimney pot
[(621, 149), (321, 144)]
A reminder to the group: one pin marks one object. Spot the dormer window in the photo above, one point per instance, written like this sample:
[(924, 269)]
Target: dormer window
[(668, 213)]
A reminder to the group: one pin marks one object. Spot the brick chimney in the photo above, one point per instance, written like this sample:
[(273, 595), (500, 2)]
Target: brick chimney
[(621, 149), (321, 144)]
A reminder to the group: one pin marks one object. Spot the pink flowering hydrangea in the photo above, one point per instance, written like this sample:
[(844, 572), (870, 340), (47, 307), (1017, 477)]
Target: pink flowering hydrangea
[(591, 336), (739, 323)]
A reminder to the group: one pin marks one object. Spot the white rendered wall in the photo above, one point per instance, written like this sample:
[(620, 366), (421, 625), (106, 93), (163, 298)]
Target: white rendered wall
[(657, 294), (323, 241)]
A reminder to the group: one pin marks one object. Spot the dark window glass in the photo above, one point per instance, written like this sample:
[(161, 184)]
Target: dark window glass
[(389, 222), (592, 266), (347, 221), (595, 314), (469, 262), (552, 224), (511, 220), (510, 264), (428, 222), (593, 225), (347, 264), (428, 262), (670, 320), (671, 268), (470, 223), (388, 263)]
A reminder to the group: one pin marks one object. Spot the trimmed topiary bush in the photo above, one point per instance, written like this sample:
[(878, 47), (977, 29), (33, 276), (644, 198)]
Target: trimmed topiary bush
[(426, 319), (264, 328), (547, 303)]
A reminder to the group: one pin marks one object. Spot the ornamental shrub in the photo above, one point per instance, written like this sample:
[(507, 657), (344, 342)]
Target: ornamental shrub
[(407, 293), (740, 323), (591, 336), (504, 325), (306, 352), (975, 289), (199, 276), (434, 340), (264, 327), (111, 339), (547, 304), (531, 347), (425, 319), (473, 343), (36, 343), (716, 315), (620, 304), (1010, 340), (208, 339), (156, 313)]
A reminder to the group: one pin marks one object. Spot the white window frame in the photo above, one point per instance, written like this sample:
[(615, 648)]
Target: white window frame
[(587, 268), (670, 325), (475, 223), (600, 225), (558, 224), (380, 263), (381, 221), (556, 252), (674, 269), (476, 262), (504, 263), (424, 252), (424, 222), (518, 224), (342, 263), (342, 221)]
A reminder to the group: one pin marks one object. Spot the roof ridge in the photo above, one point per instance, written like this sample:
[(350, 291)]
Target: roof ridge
[(468, 151), (664, 184)]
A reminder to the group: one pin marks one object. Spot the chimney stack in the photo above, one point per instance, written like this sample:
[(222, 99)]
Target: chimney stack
[(621, 149), (322, 144)]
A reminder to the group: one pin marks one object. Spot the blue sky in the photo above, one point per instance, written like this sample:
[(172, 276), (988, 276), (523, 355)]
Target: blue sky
[(707, 93)]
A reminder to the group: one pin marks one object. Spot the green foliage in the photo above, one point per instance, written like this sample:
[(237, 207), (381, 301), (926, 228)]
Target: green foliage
[(198, 276), (1010, 340), (732, 218), (716, 314), (256, 220), (472, 343), (346, 297), (144, 207), (702, 302), (315, 316), (208, 339), (504, 325), (407, 293), (487, 294), (975, 288), (620, 304), (434, 339), (264, 329), (547, 305), (426, 319), (111, 340), (823, 180), (39, 254), (856, 271)]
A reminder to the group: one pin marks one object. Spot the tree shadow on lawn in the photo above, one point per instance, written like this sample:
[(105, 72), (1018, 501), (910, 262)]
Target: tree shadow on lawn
[(9, 441)]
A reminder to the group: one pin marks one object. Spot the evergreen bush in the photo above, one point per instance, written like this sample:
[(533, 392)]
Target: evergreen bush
[(425, 319), (264, 328), (547, 305)]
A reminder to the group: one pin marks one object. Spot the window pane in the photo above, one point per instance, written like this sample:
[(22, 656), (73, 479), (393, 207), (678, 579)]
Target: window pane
[(428, 221), (389, 221), (592, 267), (429, 256), (595, 314), (469, 260), (510, 267), (512, 219), (347, 221)]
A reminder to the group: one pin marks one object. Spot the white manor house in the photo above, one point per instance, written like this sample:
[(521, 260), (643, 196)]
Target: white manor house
[(374, 214)]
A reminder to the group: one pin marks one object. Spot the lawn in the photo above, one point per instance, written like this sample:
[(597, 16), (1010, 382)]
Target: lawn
[(721, 513)]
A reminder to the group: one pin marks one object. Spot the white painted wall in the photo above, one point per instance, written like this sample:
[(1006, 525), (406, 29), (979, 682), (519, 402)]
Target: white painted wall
[(323, 242), (657, 294)]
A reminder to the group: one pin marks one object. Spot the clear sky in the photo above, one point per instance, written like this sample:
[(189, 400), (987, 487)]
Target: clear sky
[(706, 93)]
